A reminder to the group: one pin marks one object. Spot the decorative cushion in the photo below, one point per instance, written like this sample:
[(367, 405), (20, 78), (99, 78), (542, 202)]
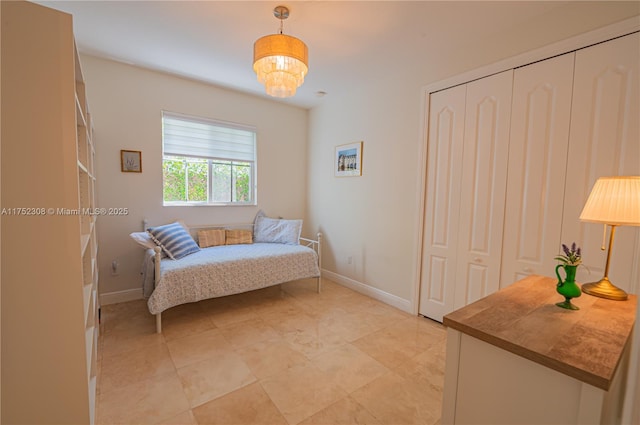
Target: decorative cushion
[(174, 240), (273, 230), (211, 237), (143, 239), (234, 237)]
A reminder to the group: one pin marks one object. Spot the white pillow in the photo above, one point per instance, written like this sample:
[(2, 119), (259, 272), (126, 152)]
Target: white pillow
[(273, 230), (143, 239)]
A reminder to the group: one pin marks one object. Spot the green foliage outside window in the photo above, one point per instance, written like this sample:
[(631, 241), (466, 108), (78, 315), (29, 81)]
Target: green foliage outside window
[(188, 180)]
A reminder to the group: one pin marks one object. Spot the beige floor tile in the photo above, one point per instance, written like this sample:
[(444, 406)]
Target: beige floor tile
[(196, 348), (313, 340), (349, 367), (283, 306), (130, 367), (386, 348), (426, 369), (396, 400), (248, 406), (269, 357), (288, 319), (115, 343), (181, 323), (344, 324), (301, 391), (283, 354), (400, 341), (222, 373), (249, 332), (144, 402), (343, 412), (184, 418), (228, 314)]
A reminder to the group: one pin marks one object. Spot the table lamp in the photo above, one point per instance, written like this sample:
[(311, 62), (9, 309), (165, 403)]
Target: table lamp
[(614, 201)]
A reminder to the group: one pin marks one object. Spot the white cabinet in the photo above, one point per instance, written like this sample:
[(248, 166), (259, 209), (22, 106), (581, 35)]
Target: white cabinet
[(507, 178), (49, 270), (469, 127)]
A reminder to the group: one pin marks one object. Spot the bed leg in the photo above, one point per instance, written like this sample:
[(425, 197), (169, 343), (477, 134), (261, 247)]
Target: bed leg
[(159, 323), (319, 284)]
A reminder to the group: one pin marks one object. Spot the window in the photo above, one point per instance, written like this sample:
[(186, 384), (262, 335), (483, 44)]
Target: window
[(206, 162)]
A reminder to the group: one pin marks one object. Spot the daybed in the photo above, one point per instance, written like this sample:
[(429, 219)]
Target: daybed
[(268, 253)]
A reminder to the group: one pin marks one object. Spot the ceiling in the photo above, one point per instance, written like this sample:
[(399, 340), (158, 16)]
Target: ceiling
[(212, 41)]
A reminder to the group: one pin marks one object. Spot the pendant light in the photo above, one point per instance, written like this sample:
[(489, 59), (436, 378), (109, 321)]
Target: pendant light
[(280, 61)]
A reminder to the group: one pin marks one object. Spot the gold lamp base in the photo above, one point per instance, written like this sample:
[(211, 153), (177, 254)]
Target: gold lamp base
[(604, 289)]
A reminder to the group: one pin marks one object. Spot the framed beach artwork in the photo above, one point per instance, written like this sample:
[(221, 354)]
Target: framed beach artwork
[(348, 160), (131, 161)]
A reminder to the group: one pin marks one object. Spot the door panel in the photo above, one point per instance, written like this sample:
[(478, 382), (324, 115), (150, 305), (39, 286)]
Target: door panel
[(442, 200), (482, 193), (604, 141), (539, 136)]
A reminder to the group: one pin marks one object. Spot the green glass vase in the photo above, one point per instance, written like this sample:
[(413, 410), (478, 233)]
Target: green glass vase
[(568, 287)]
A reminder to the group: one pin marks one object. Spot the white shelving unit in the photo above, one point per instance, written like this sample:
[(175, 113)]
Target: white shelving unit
[(50, 297)]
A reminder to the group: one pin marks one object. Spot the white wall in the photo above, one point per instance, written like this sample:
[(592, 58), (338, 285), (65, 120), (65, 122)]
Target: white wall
[(126, 103), (375, 218)]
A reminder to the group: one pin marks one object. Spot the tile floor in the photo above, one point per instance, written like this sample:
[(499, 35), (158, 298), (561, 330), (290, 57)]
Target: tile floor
[(281, 355)]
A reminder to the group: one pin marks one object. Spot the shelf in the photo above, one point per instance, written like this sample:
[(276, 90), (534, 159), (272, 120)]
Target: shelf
[(86, 297), (80, 120)]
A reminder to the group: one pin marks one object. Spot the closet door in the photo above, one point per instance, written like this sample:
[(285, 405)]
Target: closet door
[(445, 139), (482, 193), (540, 120), (604, 141)]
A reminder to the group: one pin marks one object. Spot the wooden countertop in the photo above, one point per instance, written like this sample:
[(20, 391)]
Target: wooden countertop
[(586, 344)]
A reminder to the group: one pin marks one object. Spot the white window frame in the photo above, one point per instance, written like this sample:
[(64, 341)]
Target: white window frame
[(247, 153)]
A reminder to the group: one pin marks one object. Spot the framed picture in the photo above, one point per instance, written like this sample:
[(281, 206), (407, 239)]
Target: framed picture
[(131, 161), (348, 160)]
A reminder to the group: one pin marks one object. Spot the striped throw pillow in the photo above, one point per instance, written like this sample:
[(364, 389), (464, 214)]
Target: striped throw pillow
[(174, 240)]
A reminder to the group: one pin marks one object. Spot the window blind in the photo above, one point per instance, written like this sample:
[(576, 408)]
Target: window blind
[(201, 138)]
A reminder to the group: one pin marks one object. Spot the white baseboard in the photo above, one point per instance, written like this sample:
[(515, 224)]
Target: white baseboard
[(120, 296), (375, 293)]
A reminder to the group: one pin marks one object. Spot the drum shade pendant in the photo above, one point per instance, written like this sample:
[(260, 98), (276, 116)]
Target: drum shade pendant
[(280, 61)]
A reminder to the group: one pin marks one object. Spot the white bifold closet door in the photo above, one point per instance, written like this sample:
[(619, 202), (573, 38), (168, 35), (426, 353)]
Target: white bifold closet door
[(466, 178), (440, 239), (604, 141), (482, 193), (540, 120)]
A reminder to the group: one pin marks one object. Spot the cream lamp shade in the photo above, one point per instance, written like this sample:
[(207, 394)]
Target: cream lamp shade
[(614, 200), (280, 61)]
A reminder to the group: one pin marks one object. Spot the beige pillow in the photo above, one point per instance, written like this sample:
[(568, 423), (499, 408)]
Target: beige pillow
[(234, 237), (211, 237)]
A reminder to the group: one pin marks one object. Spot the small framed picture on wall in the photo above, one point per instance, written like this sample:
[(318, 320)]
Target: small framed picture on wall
[(348, 160), (131, 161)]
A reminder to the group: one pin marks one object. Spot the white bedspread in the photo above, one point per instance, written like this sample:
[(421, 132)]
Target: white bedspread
[(230, 269)]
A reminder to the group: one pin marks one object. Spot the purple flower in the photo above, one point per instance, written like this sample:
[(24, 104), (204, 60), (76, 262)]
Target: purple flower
[(566, 249)]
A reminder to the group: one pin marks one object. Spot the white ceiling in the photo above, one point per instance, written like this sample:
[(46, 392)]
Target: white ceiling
[(212, 41)]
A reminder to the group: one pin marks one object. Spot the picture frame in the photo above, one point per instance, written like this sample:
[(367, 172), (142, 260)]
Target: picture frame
[(348, 160), (131, 161)]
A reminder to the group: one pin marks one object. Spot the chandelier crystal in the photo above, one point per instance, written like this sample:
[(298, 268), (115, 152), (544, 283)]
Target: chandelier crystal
[(280, 61)]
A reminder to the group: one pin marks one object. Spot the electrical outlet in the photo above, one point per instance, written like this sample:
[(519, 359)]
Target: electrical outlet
[(349, 259), (114, 268)]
